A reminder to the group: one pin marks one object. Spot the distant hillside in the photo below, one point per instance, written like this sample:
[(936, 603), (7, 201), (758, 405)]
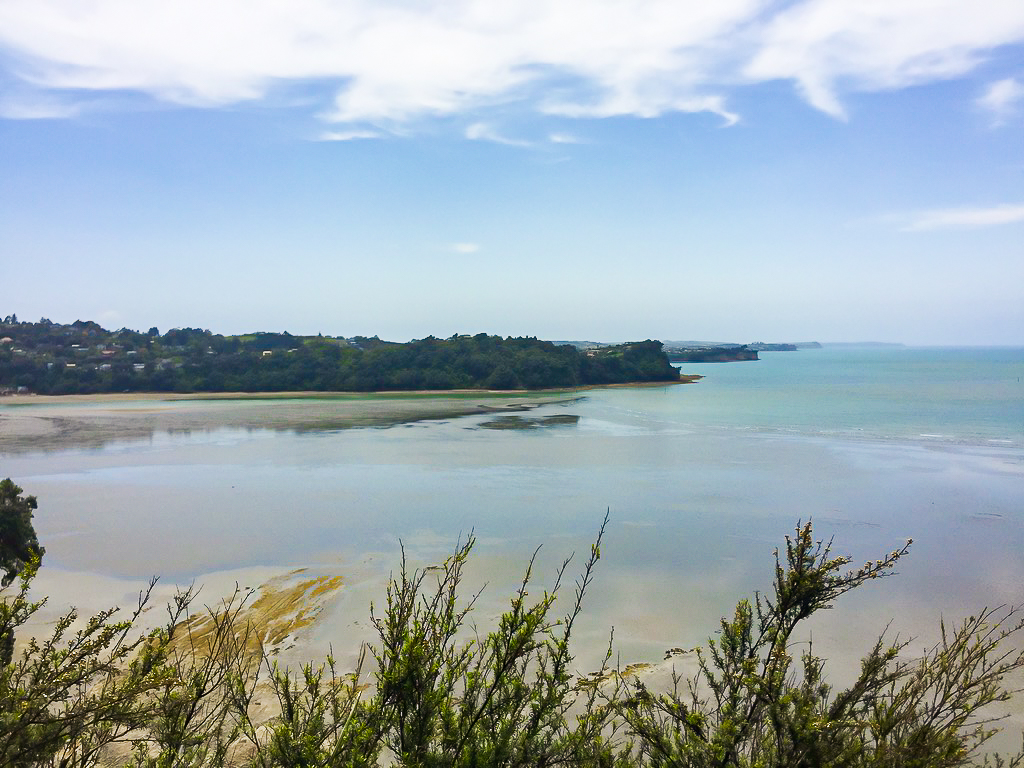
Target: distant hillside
[(693, 344), (759, 346), (50, 358), (711, 354), (583, 344), (710, 351)]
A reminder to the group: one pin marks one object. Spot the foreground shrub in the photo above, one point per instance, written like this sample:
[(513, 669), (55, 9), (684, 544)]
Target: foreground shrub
[(751, 704), (443, 694), (499, 699)]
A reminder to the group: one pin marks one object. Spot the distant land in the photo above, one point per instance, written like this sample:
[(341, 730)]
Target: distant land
[(710, 351), (84, 358), (729, 354), (719, 352), (789, 346)]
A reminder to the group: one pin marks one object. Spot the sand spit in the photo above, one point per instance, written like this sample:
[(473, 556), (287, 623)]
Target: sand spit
[(57, 423)]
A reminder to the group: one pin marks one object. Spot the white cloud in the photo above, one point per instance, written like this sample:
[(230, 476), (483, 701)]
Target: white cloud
[(563, 138), (464, 248), (391, 61), (485, 132), (349, 135), (828, 46), (964, 218), (1002, 98)]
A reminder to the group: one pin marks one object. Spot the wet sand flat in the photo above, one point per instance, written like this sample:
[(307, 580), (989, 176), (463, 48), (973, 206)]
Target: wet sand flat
[(54, 423)]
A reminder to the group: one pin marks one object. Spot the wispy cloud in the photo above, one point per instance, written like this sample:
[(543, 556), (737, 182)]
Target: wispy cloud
[(964, 218), (1002, 99), (830, 46), (390, 61), (38, 108), (353, 135), (563, 138), (486, 132), (464, 248)]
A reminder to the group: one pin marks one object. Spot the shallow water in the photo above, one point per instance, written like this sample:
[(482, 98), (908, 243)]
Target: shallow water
[(702, 482)]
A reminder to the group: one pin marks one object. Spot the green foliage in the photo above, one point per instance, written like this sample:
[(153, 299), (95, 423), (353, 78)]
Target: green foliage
[(751, 705), (83, 358), (318, 723), (188, 718), (64, 700), (18, 541), (501, 699), (443, 693)]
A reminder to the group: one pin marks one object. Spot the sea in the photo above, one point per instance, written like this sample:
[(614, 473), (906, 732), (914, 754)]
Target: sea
[(700, 483)]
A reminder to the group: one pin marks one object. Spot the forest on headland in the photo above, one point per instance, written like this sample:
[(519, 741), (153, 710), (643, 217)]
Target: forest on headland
[(50, 358)]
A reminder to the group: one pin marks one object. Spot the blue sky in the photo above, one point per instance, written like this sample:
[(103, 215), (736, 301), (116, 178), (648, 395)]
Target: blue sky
[(836, 170)]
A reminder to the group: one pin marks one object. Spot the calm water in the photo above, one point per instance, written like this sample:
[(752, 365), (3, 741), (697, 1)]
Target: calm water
[(702, 482)]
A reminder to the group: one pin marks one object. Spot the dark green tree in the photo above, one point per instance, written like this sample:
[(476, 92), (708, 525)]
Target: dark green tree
[(18, 542)]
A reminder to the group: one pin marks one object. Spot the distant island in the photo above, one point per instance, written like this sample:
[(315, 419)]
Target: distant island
[(50, 358)]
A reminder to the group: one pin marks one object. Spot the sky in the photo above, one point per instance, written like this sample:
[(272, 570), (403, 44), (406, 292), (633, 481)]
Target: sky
[(743, 170)]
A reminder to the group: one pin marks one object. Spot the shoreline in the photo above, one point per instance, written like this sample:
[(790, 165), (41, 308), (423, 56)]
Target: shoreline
[(391, 394)]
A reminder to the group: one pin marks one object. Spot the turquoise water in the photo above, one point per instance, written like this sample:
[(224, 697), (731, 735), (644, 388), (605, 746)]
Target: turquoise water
[(702, 482), (960, 395)]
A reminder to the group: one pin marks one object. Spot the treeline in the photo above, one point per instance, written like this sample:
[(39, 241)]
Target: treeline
[(83, 358)]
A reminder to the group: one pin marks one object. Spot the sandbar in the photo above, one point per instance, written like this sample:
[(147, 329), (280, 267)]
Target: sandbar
[(47, 423)]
